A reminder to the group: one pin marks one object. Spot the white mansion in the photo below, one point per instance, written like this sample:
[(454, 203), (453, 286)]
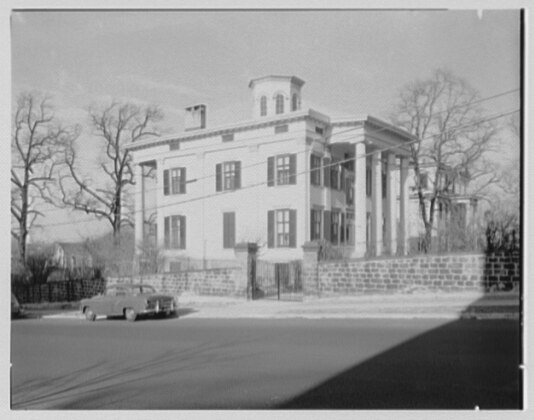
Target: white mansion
[(283, 178)]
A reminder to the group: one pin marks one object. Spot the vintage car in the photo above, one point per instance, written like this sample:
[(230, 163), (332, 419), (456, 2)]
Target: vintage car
[(130, 301)]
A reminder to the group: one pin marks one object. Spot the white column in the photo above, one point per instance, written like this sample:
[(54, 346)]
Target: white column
[(376, 198), (139, 205), (391, 206), (160, 218), (360, 201), (402, 245)]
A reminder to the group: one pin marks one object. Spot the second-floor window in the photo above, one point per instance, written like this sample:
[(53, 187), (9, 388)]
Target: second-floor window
[(228, 176), (174, 181), (282, 170), (315, 170)]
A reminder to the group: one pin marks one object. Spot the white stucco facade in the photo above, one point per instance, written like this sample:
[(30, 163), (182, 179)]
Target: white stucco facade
[(279, 180)]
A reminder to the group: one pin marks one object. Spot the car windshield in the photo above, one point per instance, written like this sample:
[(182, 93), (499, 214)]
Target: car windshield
[(143, 290)]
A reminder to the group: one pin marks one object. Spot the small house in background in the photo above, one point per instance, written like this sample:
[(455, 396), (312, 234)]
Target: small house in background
[(455, 209)]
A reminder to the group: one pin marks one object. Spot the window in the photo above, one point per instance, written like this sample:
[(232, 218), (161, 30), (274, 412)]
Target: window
[(315, 170), (315, 231), (228, 137), (423, 180), (174, 235), (281, 129), (263, 106), (294, 102), (228, 230), (279, 104), (334, 230), (334, 176), (174, 181), (281, 227), (282, 170), (175, 145), (319, 130), (228, 176)]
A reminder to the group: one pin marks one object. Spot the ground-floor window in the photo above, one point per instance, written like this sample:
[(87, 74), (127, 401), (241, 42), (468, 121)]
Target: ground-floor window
[(315, 224), (174, 234), (228, 230), (281, 228)]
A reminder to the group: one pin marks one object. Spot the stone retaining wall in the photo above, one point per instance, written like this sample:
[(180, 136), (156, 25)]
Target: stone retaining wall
[(460, 272), (216, 282)]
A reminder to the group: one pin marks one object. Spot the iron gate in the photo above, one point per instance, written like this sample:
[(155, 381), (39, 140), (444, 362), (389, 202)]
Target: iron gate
[(278, 281)]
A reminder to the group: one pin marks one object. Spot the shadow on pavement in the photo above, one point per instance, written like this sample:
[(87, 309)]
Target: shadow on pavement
[(461, 365)]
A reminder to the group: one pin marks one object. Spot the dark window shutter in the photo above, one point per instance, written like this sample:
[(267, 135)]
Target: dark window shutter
[(182, 232), (270, 171), (293, 169), (326, 225), (326, 171), (166, 182), (342, 179), (342, 228), (292, 228), (270, 229), (167, 232), (182, 180), (237, 175), (228, 230), (218, 177), (312, 237)]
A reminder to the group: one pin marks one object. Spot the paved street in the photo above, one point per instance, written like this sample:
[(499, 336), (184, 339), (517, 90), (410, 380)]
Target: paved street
[(270, 363)]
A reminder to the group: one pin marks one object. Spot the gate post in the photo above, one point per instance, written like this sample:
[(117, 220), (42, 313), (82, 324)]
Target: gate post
[(310, 276), (245, 254)]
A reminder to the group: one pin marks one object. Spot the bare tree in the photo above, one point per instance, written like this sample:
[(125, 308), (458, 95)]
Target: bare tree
[(116, 125), (445, 116), (35, 140)]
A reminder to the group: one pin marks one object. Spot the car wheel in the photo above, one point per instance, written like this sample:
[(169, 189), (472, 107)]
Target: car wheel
[(89, 314), (130, 314)]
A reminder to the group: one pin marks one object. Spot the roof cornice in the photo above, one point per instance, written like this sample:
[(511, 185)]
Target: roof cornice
[(309, 114)]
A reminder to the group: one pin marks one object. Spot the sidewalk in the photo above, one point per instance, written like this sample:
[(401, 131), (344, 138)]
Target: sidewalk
[(417, 305)]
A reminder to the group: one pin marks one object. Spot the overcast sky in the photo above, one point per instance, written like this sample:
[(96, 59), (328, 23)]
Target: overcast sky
[(353, 62)]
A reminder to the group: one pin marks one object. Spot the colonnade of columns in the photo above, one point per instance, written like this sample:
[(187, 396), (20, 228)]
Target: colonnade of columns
[(383, 238)]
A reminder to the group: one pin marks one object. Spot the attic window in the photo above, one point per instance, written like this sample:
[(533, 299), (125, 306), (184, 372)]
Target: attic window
[(228, 137), (281, 129), (175, 145), (319, 130)]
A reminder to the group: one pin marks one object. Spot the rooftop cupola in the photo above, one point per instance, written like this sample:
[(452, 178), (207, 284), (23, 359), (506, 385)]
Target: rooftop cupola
[(275, 95)]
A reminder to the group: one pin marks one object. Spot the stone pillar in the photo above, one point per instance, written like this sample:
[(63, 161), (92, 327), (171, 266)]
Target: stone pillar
[(309, 275), (391, 206), (245, 254), (402, 244), (360, 202), (139, 206), (376, 198)]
